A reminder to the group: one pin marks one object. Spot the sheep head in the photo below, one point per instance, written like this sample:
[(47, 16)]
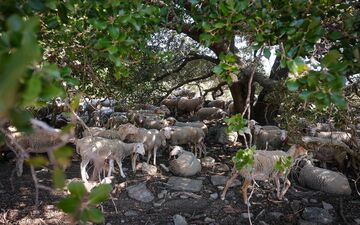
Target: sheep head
[(166, 131), (139, 148), (297, 150), (177, 150)]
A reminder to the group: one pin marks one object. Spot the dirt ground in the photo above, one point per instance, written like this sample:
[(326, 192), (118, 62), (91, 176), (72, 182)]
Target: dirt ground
[(17, 204)]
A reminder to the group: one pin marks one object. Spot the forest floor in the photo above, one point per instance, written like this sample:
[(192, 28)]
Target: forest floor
[(204, 207)]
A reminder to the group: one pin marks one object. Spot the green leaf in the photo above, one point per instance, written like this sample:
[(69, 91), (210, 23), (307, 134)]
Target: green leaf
[(218, 69), (219, 25), (267, 53), (32, 90), (93, 215), (58, 178), (99, 194), (339, 100), (38, 161), (259, 38), (335, 35), (51, 91), (305, 95), (14, 22), (75, 102), (77, 189), (297, 23), (331, 57), (72, 81), (51, 4), (291, 64), (36, 4), (69, 205), (114, 32), (21, 120), (292, 85)]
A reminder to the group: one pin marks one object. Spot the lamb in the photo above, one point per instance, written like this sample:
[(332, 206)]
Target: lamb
[(152, 140), (189, 105), (43, 139), (213, 113), (98, 149), (217, 103), (263, 169), (189, 135), (154, 124), (269, 137)]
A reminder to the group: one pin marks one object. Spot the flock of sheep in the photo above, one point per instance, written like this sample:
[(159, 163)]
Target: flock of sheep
[(115, 135)]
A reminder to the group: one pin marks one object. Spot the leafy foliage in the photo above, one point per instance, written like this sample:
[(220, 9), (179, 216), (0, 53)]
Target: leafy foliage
[(244, 157), (283, 164)]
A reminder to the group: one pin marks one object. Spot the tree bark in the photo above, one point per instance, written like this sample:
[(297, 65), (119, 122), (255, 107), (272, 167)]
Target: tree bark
[(266, 111), (239, 90)]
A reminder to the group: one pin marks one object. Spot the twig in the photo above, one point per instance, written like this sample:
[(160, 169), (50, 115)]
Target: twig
[(36, 186)]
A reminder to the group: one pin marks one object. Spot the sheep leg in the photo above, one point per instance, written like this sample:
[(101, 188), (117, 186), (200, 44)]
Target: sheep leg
[(120, 168), (19, 165), (286, 187), (278, 188), (83, 164), (149, 157), (111, 167), (133, 161), (154, 160), (229, 182), (244, 189)]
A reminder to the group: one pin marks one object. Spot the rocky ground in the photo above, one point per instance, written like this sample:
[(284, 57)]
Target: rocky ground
[(167, 199)]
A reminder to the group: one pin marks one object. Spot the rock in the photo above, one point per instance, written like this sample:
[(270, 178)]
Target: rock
[(218, 180), (214, 196), (159, 203), (184, 196), (162, 194), (148, 169), (327, 206), (276, 215), (185, 165), (295, 205), (312, 200), (222, 168), (140, 192), (304, 222), (209, 220), (317, 215), (357, 221), (184, 184), (131, 213), (246, 215), (179, 220), (263, 223), (208, 161)]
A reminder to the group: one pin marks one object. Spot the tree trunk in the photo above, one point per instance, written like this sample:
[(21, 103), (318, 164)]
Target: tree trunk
[(239, 91), (265, 111)]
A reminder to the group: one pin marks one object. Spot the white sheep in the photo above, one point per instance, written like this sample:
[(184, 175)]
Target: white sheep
[(191, 124), (193, 136), (154, 124), (264, 169), (152, 139), (98, 150)]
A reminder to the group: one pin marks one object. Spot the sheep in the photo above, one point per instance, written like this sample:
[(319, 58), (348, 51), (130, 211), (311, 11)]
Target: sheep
[(230, 109), (263, 169), (191, 124), (336, 135), (269, 137), (189, 135), (213, 113), (43, 139), (152, 139), (98, 149), (217, 103), (184, 93), (324, 180), (154, 124), (115, 120), (186, 164), (171, 104), (189, 105)]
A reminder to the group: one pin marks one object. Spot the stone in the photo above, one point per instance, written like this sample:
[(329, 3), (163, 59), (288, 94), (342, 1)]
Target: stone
[(312, 200), (140, 193), (224, 137), (162, 194), (179, 220), (222, 168), (218, 180), (131, 213), (304, 222), (208, 161), (209, 220), (263, 223), (214, 195), (295, 205), (148, 169), (164, 168), (185, 184), (357, 221), (327, 206), (317, 215), (159, 203), (246, 215), (276, 215)]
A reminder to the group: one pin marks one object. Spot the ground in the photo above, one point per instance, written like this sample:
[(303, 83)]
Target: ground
[(17, 204)]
